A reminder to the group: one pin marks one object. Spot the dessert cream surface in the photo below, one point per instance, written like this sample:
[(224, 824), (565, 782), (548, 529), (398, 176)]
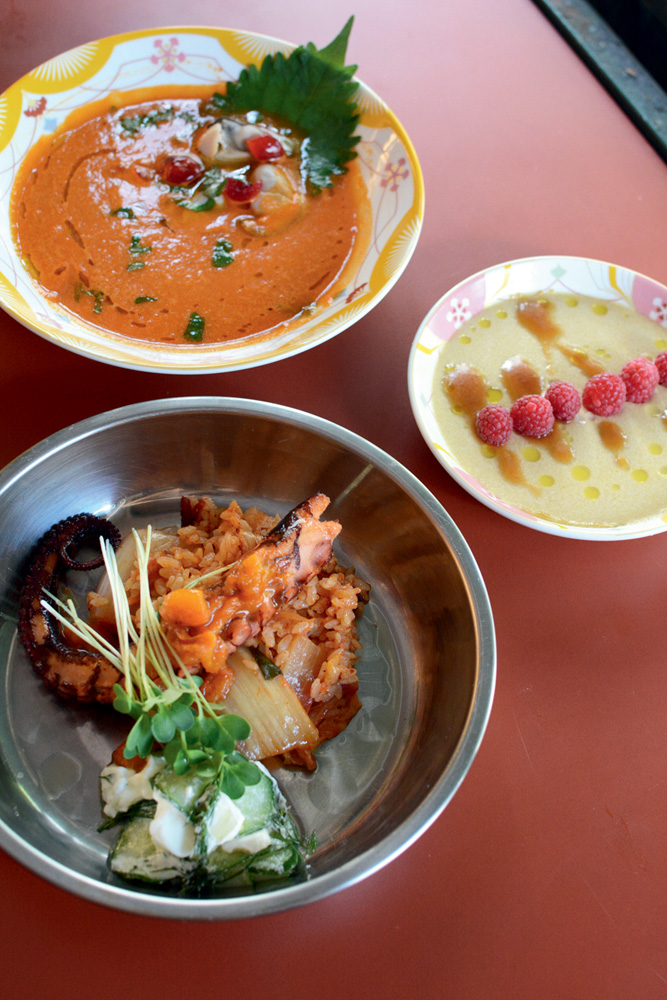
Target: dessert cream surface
[(594, 470)]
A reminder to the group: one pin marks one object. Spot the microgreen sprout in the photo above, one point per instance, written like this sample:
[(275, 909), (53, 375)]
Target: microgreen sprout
[(158, 692)]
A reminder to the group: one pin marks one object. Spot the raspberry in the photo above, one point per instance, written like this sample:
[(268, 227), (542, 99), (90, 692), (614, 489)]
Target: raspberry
[(661, 364), (565, 400), (532, 416), (494, 425), (604, 394), (641, 377)]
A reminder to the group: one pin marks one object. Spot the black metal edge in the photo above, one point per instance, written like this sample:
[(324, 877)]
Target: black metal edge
[(631, 85)]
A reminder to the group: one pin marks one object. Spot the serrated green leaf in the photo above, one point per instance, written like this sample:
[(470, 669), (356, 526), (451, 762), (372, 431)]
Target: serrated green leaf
[(314, 91), (334, 52)]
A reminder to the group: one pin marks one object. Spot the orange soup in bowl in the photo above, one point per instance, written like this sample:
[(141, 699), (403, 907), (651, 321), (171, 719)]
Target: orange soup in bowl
[(160, 219)]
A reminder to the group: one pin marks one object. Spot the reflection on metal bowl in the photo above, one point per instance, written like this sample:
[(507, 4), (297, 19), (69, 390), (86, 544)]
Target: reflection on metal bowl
[(427, 670)]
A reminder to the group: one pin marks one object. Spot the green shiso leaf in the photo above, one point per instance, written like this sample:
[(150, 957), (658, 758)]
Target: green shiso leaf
[(314, 91)]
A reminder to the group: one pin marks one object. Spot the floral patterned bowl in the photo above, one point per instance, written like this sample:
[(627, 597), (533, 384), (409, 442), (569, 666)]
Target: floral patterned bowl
[(40, 101), (573, 276)]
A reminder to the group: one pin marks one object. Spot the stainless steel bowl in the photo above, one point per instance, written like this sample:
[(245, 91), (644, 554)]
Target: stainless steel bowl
[(427, 671)]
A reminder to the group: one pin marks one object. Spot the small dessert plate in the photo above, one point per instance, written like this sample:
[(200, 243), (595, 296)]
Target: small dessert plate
[(637, 468)]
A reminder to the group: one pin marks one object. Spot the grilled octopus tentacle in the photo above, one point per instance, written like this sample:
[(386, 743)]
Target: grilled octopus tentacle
[(74, 673)]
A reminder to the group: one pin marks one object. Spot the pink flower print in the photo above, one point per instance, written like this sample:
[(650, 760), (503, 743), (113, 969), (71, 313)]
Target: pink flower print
[(168, 54), (35, 108), (393, 173), (459, 312), (659, 313)]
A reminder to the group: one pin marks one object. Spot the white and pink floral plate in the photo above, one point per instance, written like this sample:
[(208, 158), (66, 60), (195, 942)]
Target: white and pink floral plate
[(527, 276), (40, 101)]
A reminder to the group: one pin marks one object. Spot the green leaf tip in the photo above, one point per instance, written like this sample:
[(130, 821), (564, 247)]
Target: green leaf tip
[(334, 52)]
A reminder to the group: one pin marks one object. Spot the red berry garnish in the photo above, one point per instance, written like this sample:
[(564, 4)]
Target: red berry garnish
[(532, 416), (641, 378), (661, 364), (565, 400), (181, 171), (604, 394), (265, 147), (238, 191), (494, 424)]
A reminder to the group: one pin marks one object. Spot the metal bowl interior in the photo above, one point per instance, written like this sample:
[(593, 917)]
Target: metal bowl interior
[(427, 670)]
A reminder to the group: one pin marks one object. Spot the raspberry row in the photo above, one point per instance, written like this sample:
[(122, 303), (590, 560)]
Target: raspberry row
[(604, 395)]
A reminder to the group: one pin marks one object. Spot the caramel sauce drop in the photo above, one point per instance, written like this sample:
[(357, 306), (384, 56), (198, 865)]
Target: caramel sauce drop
[(535, 316), (520, 379), (558, 445), (466, 388), (468, 393), (509, 465), (613, 439), (583, 361)]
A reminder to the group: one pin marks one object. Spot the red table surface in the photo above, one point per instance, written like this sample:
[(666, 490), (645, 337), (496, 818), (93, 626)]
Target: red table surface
[(546, 874)]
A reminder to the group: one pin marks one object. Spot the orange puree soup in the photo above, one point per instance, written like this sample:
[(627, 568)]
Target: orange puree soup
[(160, 220)]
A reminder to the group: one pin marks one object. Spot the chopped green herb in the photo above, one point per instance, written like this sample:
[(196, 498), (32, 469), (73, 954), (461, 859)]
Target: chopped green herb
[(313, 90), (222, 253), (140, 299), (123, 212), (134, 123), (201, 197), (95, 294), (267, 666), (136, 245), (195, 328)]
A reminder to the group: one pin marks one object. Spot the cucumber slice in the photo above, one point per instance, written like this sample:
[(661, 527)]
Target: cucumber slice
[(184, 790), (258, 804), (135, 856), (264, 809), (240, 869)]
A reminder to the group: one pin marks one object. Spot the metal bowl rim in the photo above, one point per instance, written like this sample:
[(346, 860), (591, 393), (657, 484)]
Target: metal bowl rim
[(439, 795)]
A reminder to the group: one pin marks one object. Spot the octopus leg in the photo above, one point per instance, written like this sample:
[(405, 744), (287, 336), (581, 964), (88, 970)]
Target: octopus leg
[(74, 673)]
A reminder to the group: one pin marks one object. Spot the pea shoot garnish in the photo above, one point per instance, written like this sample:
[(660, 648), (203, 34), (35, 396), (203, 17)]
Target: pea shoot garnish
[(158, 692)]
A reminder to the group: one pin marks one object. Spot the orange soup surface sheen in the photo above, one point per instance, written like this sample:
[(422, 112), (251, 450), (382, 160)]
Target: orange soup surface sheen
[(105, 236)]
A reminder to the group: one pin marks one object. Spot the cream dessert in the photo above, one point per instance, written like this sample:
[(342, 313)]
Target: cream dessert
[(593, 470)]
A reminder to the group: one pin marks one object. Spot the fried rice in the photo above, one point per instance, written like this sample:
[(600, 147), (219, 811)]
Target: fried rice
[(324, 612)]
